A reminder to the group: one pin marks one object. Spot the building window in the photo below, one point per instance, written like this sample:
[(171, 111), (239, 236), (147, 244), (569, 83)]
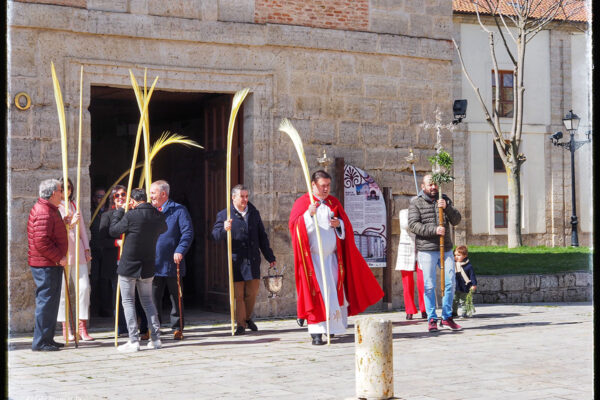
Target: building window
[(506, 93), (498, 164), (500, 211)]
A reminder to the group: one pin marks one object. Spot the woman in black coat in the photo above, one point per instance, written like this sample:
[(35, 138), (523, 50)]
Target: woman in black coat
[(249, 239)]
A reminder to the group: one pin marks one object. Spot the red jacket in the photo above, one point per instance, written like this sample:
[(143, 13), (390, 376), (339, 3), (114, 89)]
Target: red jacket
[(47, 235)]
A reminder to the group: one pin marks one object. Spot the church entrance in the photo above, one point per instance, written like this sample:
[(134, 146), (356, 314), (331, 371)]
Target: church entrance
[(196, 176)]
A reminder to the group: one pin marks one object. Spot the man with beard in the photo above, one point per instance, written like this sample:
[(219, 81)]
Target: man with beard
[(423, 222)]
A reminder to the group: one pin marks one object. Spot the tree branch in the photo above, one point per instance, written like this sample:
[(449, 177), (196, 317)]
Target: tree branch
[(496, 131)]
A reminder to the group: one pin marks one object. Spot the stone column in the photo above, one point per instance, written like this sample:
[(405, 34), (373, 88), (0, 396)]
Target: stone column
[(374, 359)]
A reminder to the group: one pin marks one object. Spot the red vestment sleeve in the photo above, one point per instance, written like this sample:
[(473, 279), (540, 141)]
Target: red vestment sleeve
[(310, 304)]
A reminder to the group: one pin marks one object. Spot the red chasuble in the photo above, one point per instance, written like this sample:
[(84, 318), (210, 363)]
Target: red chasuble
[(354, 275)]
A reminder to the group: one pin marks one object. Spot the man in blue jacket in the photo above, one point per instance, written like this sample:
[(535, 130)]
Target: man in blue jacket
[(171, 247), (248, 239)]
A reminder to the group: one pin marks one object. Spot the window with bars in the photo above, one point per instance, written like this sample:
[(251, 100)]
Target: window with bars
[(506, 94), (500, 211)]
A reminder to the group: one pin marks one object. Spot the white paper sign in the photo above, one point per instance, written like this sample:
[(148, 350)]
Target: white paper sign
[(365, 206)]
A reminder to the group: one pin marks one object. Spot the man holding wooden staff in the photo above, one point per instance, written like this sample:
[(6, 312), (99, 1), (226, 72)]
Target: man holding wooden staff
[(423, 222), (348, 281), (170, 249)]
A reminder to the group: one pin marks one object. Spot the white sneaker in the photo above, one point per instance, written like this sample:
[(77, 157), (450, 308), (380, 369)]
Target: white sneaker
[(154, 344), (129, 347)]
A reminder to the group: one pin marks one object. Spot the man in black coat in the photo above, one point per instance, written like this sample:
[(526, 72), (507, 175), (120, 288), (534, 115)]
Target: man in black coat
[(249, 239), (142, 226)]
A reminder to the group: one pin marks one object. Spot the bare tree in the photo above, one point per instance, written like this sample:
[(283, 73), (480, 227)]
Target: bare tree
[(517, 21)]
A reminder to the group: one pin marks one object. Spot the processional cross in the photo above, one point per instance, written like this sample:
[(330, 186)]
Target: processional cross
[(441, 164)]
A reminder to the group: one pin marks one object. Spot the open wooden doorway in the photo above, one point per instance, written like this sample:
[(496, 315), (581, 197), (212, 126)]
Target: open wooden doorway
[(196, 176)]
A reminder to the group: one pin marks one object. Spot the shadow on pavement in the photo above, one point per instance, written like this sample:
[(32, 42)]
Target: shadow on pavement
[(226, 342)]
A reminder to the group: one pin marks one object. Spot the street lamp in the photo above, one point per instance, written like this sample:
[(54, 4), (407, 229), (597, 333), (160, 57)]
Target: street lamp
[(571, 122)]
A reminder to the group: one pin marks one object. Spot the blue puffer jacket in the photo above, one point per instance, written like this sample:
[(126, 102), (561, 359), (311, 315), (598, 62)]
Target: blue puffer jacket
[(177, 239)]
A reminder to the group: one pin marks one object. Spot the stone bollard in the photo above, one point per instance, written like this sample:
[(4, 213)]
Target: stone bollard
[(374, 362)]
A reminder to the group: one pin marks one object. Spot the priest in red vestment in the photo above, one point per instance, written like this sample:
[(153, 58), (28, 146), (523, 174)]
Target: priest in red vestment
[(351, 286)]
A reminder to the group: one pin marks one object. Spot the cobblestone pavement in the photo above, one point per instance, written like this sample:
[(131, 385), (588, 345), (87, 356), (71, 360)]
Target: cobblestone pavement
[(524, 351)]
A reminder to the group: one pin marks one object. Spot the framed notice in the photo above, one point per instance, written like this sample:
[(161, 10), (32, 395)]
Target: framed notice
[(365, 206)]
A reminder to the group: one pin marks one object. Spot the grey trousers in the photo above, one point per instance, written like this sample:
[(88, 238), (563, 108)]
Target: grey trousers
[(144, 287)]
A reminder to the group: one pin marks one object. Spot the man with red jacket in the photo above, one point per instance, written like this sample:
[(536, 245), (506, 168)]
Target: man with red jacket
[(48, 244), (351, 286)]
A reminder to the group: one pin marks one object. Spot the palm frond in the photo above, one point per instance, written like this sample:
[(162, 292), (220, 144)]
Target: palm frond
[(287, 127), (162, 142)]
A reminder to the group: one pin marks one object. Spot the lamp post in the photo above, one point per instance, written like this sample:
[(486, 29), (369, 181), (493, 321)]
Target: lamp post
[(571, 122)]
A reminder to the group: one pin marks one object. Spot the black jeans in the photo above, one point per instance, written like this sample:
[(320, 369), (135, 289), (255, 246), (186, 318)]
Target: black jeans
[(158, 290), (48, 282)]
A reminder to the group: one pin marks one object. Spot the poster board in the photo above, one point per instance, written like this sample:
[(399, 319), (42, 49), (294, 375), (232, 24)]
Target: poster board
[(365, 206)]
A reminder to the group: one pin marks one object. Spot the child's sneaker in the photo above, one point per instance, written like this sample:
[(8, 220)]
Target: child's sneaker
[(451, 324), (432, 325), (154, 344), (129, 347)]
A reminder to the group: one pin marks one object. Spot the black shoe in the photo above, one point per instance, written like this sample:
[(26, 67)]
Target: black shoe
[(317, 340), (240, 331), (56, 344), (332, 335), (46, 347), (423, 315), (408, 316), (454, 315), (251, 325), (300, 322)]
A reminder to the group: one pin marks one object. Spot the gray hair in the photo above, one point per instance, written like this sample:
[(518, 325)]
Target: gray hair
[(47, 187), (163, 186), (237, 189)]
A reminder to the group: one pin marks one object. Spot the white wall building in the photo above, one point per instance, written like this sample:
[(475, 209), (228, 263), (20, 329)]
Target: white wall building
[(557, 79)]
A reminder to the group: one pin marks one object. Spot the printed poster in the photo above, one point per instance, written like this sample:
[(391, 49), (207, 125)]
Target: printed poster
[(365, 206)]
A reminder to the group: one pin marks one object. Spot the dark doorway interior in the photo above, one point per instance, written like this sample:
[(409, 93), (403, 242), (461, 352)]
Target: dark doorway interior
[(196, 176)]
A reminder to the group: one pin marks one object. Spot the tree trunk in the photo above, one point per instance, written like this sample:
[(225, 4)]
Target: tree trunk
[(513, 174)]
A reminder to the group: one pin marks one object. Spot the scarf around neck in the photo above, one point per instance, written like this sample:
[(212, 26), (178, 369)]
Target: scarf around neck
[(460, 270)]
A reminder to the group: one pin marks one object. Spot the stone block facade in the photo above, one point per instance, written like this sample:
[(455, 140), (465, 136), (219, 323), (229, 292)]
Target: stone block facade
[(359, 91), (547, 288)]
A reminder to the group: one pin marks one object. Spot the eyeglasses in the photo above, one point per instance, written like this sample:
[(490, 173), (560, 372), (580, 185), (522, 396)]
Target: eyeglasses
[(99, 196), (117, 195)]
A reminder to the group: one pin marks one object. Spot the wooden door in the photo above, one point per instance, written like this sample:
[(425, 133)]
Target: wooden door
[(216, 120)]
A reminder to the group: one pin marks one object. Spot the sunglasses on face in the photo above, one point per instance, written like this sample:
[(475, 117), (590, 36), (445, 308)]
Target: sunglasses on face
[(117, 195)]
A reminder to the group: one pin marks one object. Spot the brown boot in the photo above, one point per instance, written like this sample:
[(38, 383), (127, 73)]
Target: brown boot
[(83, 333)]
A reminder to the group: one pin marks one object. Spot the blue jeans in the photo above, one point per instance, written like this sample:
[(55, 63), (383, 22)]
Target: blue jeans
[(144, 287), (48, 281), (429, 261)]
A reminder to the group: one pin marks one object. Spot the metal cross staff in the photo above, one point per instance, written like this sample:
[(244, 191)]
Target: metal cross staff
[(436, 170)]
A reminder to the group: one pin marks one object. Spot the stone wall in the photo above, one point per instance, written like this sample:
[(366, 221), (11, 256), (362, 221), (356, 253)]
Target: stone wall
[(533, 288), (360, 95)]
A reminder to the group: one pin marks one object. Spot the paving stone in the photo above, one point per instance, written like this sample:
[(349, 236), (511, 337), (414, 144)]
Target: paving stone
[(509, 357)]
